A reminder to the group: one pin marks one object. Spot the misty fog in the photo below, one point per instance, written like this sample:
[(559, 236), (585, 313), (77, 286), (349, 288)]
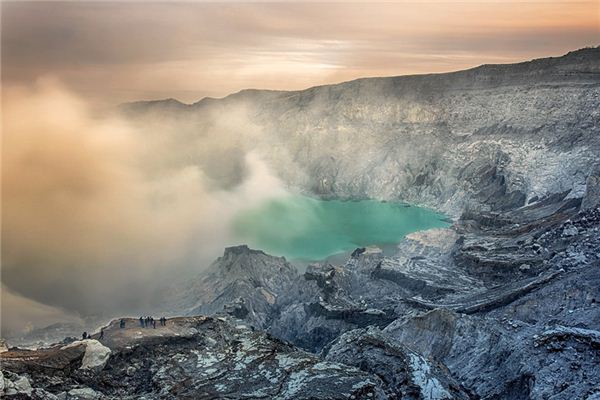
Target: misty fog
[(101, 213)]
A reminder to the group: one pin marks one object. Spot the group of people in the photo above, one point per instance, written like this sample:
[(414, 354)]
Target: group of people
[(86, 335), (150, 321), (145, 322)]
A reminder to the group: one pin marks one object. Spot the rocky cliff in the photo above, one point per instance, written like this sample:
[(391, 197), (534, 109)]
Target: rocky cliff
[(496, 136), (244, 283)]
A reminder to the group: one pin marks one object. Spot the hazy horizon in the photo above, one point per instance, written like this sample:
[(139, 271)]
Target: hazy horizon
[(114, 52), (193, 101)]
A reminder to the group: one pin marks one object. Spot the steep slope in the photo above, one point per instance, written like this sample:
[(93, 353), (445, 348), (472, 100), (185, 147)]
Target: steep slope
[(495, 136), (243, 282)]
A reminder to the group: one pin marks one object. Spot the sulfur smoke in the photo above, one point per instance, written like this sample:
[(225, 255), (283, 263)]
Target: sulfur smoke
[(99, 213)]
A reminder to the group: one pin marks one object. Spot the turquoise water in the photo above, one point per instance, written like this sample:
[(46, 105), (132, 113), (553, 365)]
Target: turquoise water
[(304, 228)]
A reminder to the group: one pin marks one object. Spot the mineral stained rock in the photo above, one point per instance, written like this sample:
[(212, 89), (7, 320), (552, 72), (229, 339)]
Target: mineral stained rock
[(195, 357)]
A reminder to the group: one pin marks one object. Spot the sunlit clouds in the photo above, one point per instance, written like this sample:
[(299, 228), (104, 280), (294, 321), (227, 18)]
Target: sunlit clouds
[(114, 51)]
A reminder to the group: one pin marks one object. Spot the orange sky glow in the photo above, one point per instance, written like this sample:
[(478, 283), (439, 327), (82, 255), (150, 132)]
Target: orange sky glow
[(112, 52)]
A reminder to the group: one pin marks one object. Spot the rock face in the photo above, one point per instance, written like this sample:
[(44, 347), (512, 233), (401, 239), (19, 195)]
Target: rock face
[(195, 357), (494, 136), (95, 356), (511, 340), (591, 198), (369, 289), (405, 373), (244, 283)]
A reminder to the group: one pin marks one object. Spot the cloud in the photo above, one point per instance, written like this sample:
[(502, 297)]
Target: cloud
[(21, 315), (119, 51), (98, 212)]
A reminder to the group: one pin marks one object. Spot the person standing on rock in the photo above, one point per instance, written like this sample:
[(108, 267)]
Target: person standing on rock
[(84, 335), (101, 334), (142, 322)]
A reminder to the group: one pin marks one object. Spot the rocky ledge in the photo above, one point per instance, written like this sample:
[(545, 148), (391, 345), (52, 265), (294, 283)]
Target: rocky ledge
[(191, 357)]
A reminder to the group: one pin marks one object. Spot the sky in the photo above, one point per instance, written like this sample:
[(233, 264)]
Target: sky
[(112, 52)]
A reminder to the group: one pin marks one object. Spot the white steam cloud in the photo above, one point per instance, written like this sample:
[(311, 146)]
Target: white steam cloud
[(98, 212)]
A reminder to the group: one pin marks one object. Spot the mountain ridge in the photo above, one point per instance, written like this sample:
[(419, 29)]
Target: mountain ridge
[(583, 53)]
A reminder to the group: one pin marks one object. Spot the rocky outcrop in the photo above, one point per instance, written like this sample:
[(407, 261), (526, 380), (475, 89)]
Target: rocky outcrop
[(95, 356), (243, 283), (591, 199), (405, 373), (371, 289), (194, 357), (542, 345), (565, 334)]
